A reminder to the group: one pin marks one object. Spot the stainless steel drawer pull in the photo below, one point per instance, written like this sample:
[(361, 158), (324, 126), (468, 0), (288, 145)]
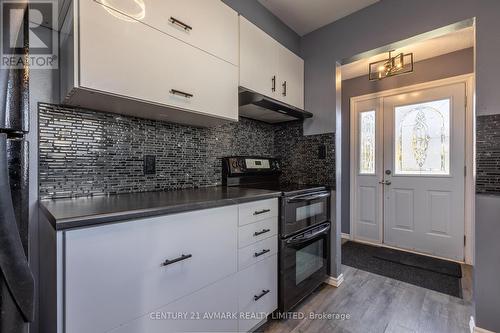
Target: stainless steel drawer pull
[(181, 93), (181, 24), (258, 233), (264, 293), (258, 254), (173, 261), (261, 211)]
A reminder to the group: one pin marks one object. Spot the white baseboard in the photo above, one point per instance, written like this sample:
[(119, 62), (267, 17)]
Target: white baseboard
[(345, 236), (335, 282), (475, 329)]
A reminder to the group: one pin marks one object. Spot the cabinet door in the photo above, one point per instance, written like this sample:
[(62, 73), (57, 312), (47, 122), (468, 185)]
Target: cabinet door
[(258, 60), (257, 292), (291, 78), (206, 310), (124, 57), (207, 24), (118, 272)]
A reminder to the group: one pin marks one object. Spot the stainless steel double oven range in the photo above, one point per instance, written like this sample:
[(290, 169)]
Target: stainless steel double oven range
[(304, 225)]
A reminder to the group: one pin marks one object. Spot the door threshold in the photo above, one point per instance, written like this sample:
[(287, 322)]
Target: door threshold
[(406, 250)]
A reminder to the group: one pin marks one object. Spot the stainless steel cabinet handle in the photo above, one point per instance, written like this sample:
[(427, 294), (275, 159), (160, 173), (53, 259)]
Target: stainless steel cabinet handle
[(181, 24), (264, 293), (261, 211), (258, 254), (385, 182), (173, 261), (258, 233), (284, 88), (273, 87), (181, 93)]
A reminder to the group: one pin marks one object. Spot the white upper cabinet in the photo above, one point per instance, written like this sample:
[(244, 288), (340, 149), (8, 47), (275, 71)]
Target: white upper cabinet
[(291, 78), (269, 68), (120, 64), (206, 24), (258, 60)]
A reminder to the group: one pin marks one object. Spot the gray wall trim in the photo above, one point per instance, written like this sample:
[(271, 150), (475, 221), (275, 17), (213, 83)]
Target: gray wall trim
[(267, 21), (487, 268)]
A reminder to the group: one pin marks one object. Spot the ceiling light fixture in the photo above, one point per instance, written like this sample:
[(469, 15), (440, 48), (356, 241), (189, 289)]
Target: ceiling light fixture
[(119, 9), (393, 65)]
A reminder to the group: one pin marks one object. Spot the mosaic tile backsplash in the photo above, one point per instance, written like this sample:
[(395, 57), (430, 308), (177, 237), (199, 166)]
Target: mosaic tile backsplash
[(488, 154), (84, 152)]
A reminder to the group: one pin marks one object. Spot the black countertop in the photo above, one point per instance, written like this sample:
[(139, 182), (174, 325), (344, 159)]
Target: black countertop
[(90, 211)]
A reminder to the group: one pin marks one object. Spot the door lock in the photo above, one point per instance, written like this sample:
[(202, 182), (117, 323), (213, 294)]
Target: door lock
[(385, 182)]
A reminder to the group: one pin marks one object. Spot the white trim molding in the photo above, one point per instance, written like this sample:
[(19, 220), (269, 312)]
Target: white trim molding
[(475, 329), (335, 282), (345, 236)]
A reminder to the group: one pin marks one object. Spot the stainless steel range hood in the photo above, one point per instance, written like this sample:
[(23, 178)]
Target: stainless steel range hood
[(259, 107)]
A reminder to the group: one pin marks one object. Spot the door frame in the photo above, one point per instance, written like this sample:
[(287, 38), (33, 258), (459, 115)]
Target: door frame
[(469, 163)]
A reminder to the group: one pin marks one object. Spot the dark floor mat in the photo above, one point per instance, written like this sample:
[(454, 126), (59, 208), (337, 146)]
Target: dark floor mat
[(366, 257), (418, 261)]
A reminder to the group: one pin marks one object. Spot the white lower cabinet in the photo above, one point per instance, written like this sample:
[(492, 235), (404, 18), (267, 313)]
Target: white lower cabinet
[(116, 273), (257, 292), (210, 309), (176, 273)]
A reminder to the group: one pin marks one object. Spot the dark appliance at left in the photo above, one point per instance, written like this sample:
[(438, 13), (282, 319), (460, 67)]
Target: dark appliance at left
[(17, 288)]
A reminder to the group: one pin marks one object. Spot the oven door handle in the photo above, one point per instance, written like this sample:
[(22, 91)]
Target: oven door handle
[(309, 197), (295, 240)]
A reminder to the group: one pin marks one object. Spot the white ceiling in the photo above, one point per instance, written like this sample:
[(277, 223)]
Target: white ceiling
[(425, 49), (304, 16)]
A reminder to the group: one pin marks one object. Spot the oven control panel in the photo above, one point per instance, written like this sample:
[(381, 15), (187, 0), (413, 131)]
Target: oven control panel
[(245, 165)]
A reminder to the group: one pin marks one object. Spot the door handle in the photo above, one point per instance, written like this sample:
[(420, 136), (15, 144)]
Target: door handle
[(385, 182), (264, 293), (261, 211), (258, 254), (181, 93), (173, 261), (309, 197), (258, 233), (303, 239), (181, 24)]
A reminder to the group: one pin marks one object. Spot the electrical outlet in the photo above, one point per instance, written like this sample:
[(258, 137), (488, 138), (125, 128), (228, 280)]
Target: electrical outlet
[(149, 164)]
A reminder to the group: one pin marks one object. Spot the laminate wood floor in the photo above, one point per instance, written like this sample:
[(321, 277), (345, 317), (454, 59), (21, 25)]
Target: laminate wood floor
[(378, 304)]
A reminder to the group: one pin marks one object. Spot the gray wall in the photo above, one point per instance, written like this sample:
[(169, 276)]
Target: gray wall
[(486, 285), (447, 65), (390, 21), (43, 88), (264, 19)]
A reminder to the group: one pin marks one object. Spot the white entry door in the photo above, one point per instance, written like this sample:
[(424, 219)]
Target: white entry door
[(419, 186)]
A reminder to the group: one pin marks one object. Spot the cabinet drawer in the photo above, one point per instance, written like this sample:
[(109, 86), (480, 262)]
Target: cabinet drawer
[(255, 232), (206, 24), (257, 252), (258, 210), (133, 60), (252, 283), (119, 270), (219, 298)]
